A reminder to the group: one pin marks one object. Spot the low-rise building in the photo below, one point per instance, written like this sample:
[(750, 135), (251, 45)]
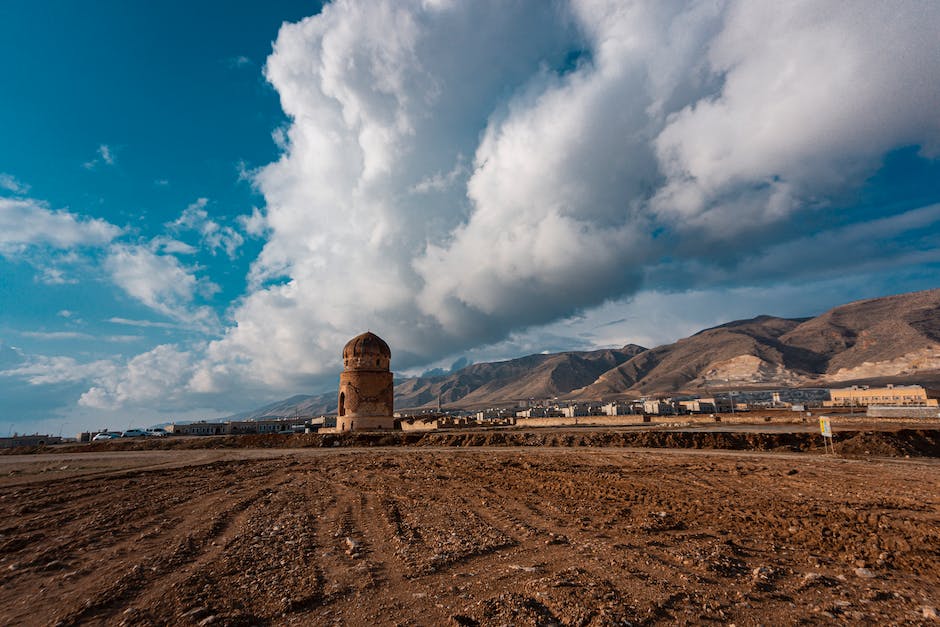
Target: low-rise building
[(418, 423), (197, 428), (532, 412), (322, 422), (658, 406), (698, 406), (618, 409), (29, 440), (573, 411), (242, 427), (890, 395), (495, 413), (271, 425)]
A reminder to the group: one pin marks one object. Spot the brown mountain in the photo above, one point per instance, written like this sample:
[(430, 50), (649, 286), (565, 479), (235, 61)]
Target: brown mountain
[(535, 376), (880, 337), (894, 338)]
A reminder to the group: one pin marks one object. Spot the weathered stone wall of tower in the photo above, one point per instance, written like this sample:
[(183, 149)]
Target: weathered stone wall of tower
[(366, 400)]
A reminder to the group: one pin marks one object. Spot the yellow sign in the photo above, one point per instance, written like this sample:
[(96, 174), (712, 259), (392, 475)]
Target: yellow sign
[(825, 427)]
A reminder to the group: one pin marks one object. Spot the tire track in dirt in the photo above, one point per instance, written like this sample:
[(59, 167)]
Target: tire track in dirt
[(164, 525), (488, 537), (195, 541), (267, 551)]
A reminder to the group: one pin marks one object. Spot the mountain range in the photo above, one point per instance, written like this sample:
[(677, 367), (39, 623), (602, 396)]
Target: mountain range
[(894, 339)]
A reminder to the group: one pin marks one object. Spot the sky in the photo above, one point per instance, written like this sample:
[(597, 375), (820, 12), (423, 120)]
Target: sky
[(201, 202)]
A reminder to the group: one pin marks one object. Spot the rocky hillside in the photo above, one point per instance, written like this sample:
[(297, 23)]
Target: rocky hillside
[(535, 376), (881, 337), (895, 338), (892, 339)]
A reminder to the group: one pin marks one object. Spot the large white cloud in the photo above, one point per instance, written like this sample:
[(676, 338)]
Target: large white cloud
[(383, 97), (456, 172), (157, 377), (814, 94)]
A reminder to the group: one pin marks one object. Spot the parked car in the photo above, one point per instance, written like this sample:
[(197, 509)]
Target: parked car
[(134, 433), (100, 437), (157, 432)]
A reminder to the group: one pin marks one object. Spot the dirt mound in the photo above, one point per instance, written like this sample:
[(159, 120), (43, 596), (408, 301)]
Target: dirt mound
[(902, 443), (899, 443), (906, 442)]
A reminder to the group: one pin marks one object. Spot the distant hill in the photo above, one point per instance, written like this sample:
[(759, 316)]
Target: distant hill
[(298, 405), (535, 376), (893, 339)]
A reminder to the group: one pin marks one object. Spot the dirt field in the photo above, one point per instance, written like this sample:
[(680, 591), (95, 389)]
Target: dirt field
[(490, 536)]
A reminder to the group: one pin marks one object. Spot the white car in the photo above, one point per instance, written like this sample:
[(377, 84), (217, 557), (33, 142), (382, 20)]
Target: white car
[(134, 433), (104, 435), (157, 432)]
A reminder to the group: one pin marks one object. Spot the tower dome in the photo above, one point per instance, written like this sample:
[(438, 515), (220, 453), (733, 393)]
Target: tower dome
[(367, 352)]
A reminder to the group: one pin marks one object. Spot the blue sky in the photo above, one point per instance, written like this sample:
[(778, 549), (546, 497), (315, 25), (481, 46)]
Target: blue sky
[(173, 90), (200, 202)]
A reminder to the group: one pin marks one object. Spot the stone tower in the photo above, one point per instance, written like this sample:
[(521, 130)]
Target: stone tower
[(366, 393)]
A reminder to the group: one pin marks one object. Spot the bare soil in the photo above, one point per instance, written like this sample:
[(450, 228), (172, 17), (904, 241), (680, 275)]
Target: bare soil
[(465, 536), (883, 439)]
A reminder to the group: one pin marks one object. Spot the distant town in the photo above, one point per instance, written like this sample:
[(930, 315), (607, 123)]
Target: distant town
[(890, 401)]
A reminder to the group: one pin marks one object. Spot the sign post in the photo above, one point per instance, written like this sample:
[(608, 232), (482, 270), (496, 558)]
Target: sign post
[(825, 427)]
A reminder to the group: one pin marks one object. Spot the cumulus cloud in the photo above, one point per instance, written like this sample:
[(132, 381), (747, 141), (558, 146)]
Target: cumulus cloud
[(464, 175), (160, 282), (171, 246), (902, 240), (50, 275), (605, 137), (156, 379), (159, 375), (253, 224), (380, 97), (814, 94), (26, 223), (10, 184), (44, 370), (55, 241), (213, 235)]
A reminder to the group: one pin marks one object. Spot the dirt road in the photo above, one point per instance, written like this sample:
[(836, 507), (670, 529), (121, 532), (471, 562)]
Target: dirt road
[(466, 536)]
